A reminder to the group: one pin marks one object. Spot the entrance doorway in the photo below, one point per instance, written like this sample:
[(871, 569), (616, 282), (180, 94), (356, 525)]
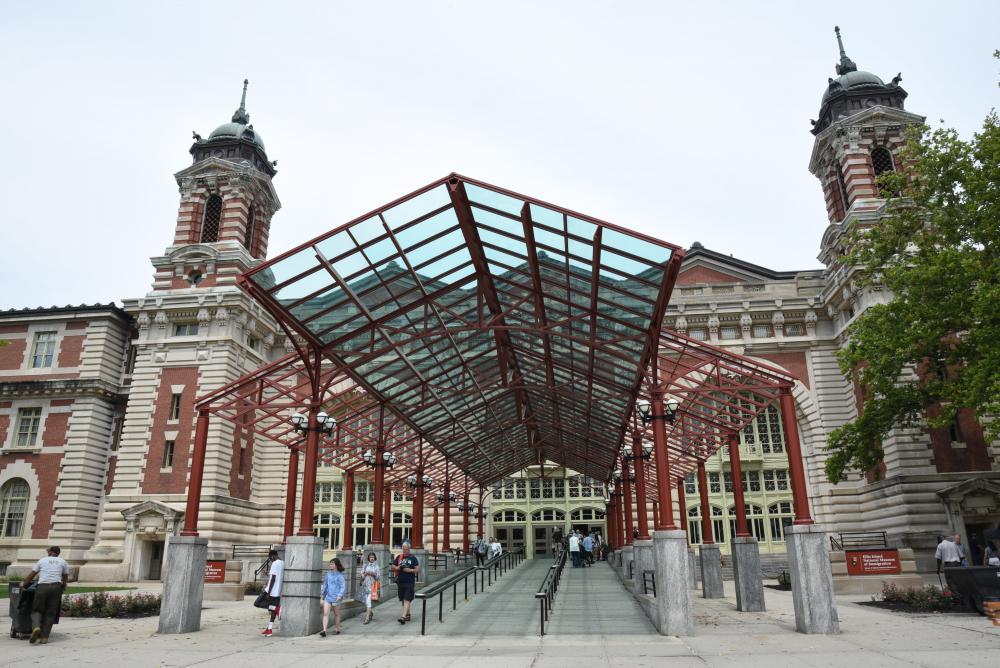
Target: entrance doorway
[(976, 541), (543, 541), (155, 559), (512, 538)]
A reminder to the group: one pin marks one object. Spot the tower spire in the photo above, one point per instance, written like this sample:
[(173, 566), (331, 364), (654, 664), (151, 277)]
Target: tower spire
[(846, 64), (241, 115)]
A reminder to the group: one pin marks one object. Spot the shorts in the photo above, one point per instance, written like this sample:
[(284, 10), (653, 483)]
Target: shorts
[(273, 602), (405, 590)]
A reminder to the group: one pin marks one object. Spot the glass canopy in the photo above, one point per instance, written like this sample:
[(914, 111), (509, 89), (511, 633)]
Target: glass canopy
[(503, 331)]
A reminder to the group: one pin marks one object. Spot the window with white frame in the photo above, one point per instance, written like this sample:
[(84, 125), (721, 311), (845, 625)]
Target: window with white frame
[(781, 480), (761, 331), (175, 406), (28, 423), (329, 492), (729, 332), (327, 527), (364, 492), (362, 528), (14, 497), (690, 486), (43, 350), (548, 516), (698, 334), (769, 431), (506, 516), (586, 515), (714, 484), (779, 517), (168, 454), (536, 488), (795, 329), (402, 528), (521, 488), (751, 481), (755, 521), (185, 329)]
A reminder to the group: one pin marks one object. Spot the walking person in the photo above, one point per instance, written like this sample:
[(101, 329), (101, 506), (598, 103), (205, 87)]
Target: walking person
[(574, 549), (949, 553), (598, 546), (480, 549), (557, 539), (275, 577), (371, 580), (588, 549), (52, 572), (332, 595), (405, 566)]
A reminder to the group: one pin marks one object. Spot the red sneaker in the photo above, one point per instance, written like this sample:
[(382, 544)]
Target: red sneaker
[(267, 632)]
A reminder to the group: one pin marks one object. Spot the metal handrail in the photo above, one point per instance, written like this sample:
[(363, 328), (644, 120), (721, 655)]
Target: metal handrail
[(502, 562), (631, 570), (546, 594), (859, 539), (649, 582)]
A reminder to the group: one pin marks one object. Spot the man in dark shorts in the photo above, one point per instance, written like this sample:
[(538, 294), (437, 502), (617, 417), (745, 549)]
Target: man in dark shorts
[(406, 567)]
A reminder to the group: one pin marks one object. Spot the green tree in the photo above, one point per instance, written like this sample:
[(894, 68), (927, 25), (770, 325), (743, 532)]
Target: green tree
[(935, 347)]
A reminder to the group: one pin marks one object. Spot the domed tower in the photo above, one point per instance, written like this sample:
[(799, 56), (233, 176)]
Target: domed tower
[(859, 132), (227, 201)]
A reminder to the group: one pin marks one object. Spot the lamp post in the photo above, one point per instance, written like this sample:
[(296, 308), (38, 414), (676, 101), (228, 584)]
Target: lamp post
[(659, 412), (318, 422), (639, 453)]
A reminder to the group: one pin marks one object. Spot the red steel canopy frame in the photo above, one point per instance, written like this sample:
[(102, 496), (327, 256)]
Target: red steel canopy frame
[(472, 331)]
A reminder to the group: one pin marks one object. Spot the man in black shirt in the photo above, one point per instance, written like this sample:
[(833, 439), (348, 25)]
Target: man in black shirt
[(406, 567)]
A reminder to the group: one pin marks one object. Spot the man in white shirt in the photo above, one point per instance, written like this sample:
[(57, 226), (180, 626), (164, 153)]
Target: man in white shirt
[(574, 549), (949, 553), (274, 579), (53, 574)]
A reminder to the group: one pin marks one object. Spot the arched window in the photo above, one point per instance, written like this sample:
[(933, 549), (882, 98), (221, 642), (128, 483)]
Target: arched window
[(213, 217), (249, 239), (506, 516), (402, 528), (779, 517), (586, 515), (755, 521), (882, 161), (14, 497), (362, 528), (548, 516), (327, 526)]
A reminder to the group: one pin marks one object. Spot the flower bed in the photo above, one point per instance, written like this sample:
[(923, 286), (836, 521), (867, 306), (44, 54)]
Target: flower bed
[(917, 599), (101, 604)]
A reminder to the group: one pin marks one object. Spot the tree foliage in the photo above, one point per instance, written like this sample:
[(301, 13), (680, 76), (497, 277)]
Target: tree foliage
[(935, 346)]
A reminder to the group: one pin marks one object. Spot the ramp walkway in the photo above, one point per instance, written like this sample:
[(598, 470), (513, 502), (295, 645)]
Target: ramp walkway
[(593, 601)]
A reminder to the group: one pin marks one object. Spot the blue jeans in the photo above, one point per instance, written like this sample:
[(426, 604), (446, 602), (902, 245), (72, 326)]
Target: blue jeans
[(577, 562)]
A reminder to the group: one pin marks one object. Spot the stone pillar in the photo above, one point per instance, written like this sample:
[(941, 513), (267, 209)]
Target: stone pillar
[(183, 584), (711, 571), (643, 555), (812, 579), (673, 598), (628, 556), (351, 571), (692, 568), (301, 614), (747, 575)]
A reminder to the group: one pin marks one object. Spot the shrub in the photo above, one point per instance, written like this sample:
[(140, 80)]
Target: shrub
[(253, 588), (923, 599), (101, 604)]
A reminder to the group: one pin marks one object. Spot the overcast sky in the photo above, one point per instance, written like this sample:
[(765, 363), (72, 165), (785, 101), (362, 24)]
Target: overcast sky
[(687, 121)]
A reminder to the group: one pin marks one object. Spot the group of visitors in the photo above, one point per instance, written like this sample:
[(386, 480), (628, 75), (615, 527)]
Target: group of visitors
[(405, 567), (486, 549), (950, 552), (583, 548)]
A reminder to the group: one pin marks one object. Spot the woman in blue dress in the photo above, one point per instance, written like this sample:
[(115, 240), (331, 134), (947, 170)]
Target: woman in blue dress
[(332, 595)]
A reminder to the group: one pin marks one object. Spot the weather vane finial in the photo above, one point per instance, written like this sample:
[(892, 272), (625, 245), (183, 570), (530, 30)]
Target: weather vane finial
[(241, 115), (846, 64)]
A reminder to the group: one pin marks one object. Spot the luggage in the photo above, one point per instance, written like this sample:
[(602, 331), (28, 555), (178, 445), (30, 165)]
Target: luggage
[(21, 601)]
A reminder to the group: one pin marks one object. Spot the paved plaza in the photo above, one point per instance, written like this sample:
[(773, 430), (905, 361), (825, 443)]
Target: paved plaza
[(595, 622)]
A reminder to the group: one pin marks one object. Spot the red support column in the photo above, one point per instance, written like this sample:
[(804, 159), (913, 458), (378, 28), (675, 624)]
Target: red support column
[(309, 474), (417, 537), (662, 464), (640, 488), (800, 498), (434, 533), (627, 504), (377, 506), (682, 507), (446, 543), (706, 511), (620, 519), (656, 513), (197, 475), (347, 523), (465, 525), (290, 487), (481, 516), (609, 518), (387, 516), (742, 529)]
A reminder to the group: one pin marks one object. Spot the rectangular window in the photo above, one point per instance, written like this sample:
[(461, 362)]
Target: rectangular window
[(522, 488), (397, 496), (689, 485), (559, 487), (536, 489), (714, 486), (168, 455), (729, 332), (752, 480), (768, 481), (337, 493), (28, 422), (727, 481), (175, 407), (782, 480), (43, 350), (547, 489), (955, 431), (795, 329), (761, 331), (324, 491), (364, 492), (243, 461), (117, 425), (698, 334), (185, 329)]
